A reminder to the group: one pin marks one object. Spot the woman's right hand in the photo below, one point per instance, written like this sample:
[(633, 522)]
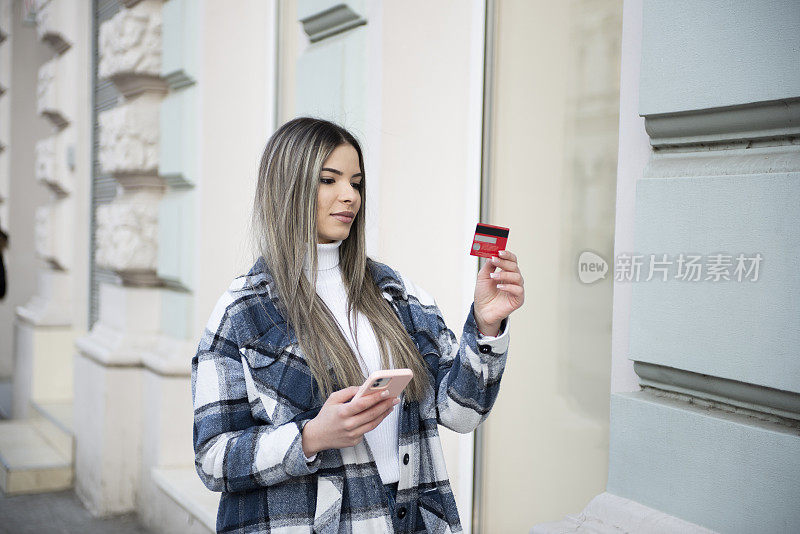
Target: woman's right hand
[(340, 423)]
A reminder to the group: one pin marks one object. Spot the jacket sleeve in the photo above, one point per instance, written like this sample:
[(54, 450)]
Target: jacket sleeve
[(468, 371), (233, 451)]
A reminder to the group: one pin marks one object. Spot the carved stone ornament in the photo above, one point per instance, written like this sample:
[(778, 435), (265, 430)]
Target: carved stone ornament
[(130, 49), (45, 159), (42, 231), (51, 23), (49, 168), (129, 137), (48, 103), (127, 236), (53, 233)]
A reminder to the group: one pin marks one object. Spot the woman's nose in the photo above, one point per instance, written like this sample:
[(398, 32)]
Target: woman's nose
[(348, 193)]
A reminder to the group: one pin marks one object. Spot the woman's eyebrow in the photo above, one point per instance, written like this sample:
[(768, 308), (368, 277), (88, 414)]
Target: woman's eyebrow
[(340, 172)]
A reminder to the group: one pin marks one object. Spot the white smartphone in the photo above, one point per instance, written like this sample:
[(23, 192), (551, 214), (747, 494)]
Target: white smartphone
[(394, 381)]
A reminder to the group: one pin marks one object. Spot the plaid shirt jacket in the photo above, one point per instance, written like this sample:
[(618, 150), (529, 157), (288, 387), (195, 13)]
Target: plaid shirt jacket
[(252, 392)]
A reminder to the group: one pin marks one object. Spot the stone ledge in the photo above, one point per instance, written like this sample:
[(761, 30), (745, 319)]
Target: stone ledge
[(183, 485), (54, 422), (29, 463), (609, 514)]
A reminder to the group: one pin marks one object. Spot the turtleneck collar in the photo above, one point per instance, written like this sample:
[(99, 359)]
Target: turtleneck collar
[(327, 256)]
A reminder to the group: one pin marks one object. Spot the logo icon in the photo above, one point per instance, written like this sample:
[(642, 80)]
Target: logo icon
[(591, 267)]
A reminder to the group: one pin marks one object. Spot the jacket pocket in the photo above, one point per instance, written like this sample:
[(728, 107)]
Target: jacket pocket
[(329, 504), (258, 358), (280, 379), (432, 512)]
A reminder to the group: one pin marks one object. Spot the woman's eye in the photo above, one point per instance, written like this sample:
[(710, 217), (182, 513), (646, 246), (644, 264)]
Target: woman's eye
[(357, 186), (326, 180)]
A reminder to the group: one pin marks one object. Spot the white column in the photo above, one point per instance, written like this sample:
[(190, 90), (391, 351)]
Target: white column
[(49, 322), (108, 371)]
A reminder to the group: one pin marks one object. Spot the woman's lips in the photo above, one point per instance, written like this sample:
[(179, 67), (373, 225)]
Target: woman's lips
[(343, 218)]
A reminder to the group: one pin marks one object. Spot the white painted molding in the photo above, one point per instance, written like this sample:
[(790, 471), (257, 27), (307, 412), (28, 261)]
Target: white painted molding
[(111, 347), (52, 306), (756, 158), (609, 514), (331, 21), (170, 356), (129, 136), (759, 120), (130, 49), (54, 22), (127, 328), (127, 236)]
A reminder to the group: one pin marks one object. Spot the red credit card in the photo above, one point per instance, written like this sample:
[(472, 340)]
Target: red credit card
[(489, 240)]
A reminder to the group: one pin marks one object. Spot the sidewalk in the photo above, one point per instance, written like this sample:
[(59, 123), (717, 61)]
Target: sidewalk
[(58, 513)]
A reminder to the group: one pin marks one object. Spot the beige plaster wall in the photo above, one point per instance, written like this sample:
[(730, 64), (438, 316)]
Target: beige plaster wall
[(554, 165), (422, 149), (432, 72), (236, 116)]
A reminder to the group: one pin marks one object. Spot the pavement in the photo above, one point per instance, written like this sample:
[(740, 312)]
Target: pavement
[(59, 513)]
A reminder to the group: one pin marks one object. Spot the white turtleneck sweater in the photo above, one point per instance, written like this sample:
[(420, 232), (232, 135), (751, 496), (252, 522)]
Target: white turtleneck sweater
[(383, 439)]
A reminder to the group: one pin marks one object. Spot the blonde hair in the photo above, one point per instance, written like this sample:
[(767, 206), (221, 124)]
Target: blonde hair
[(284, 223)]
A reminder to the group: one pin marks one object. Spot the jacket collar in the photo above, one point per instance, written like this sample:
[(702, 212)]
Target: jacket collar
[(279, 334), (385, 277)]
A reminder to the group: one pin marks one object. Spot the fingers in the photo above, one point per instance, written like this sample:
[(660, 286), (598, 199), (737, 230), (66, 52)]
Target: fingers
[(508, 277), (371, 425), (364, 403), (506, 265), (368, 415), (343, 395), (486, 269), (508, 255), (513, 289)]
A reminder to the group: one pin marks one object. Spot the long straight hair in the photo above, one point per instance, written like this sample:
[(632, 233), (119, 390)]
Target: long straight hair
[(284, 223)]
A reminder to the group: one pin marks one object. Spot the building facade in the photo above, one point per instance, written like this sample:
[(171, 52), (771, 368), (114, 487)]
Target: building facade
[(130, 136)]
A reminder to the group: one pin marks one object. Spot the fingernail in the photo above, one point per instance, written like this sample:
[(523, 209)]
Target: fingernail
[(503, 253), (385, 393), (494, 275), (495, 259), (395, 401)]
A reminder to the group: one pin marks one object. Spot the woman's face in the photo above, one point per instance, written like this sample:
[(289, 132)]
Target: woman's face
[(339, 195)]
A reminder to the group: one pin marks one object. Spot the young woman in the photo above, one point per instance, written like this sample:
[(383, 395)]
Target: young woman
[(288, 344)]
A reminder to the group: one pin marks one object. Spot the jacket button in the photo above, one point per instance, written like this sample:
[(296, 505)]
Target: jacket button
[(405, 406), (405, 459), (401, 513), (485, 349)]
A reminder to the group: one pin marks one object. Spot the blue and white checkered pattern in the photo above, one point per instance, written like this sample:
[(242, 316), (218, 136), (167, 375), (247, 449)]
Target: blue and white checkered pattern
[(253, 392)]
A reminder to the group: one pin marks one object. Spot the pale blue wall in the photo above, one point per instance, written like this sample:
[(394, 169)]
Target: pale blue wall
[(178, 156), (331, 80), (746, 331), (711, 53), (722, 180), (710, 469)]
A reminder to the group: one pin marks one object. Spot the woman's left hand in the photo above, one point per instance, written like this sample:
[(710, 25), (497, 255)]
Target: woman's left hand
[(497, 294)]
